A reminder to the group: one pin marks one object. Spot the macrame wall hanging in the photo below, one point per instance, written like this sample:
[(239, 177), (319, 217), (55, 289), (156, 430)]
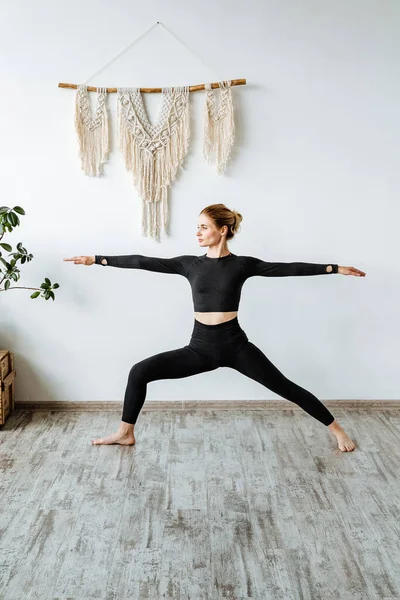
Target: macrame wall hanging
[(219, 125), (153, 153), (93, 134)]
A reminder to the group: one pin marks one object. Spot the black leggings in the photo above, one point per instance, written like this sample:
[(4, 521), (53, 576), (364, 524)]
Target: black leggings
[(210, 347)]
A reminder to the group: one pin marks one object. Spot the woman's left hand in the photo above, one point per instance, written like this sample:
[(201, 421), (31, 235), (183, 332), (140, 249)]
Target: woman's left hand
[(351, 271)]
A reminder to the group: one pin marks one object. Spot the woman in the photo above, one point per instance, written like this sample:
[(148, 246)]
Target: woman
[(217, 339)]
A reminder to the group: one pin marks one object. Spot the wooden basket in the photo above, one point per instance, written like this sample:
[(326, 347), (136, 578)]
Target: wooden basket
[(7, 384)]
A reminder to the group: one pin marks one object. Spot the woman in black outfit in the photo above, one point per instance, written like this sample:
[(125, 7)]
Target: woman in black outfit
[(217, 339)]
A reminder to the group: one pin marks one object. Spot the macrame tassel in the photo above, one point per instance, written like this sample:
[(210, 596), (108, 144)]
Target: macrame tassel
[(219, 126), (153, 153), (93, 133)]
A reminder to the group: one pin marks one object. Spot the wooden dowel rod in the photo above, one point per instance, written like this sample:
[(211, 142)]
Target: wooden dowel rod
[(192, 88)]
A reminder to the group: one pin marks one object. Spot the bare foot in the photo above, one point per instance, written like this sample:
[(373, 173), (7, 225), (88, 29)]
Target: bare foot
[(345, 444), (123, 437)]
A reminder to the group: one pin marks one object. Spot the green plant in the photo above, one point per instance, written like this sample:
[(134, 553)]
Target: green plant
[(9, 270)]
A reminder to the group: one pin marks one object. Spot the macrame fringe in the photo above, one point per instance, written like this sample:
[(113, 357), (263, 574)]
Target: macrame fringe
[(154, 161), (219, 126), (93, 133)]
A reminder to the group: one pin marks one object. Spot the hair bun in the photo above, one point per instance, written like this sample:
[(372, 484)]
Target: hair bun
[(238, 220)]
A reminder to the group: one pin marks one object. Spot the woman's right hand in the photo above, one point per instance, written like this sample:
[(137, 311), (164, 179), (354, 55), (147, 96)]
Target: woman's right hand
[(350, 271), (81, 260)]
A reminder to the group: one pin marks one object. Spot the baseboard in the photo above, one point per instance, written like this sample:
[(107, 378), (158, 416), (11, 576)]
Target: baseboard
[(151, 405)]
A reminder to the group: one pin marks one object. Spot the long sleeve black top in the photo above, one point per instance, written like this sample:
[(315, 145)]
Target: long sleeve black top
[(216, 282)]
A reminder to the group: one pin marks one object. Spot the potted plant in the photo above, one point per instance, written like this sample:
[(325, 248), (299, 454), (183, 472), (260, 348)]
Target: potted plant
[(9, 272)]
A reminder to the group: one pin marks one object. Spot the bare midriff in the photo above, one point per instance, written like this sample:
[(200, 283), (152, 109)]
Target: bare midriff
[(214, 318)]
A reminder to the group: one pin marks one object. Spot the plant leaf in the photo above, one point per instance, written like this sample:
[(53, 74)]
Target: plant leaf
[(19, 210), (10, 218)]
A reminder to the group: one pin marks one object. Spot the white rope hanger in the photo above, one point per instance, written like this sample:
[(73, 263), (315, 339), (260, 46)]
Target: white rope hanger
[(193, 88)]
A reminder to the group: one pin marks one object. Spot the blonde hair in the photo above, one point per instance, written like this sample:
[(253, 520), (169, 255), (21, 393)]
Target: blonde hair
[(221, 215)]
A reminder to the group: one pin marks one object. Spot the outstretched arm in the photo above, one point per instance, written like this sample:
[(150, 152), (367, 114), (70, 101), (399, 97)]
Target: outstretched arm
[(177, 265), (256, 266)]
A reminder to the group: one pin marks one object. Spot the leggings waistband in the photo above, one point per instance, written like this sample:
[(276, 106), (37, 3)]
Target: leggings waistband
[(226, 332), (232, 323)]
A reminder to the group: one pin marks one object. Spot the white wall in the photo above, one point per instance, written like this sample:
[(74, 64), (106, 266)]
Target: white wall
[(314, 173)]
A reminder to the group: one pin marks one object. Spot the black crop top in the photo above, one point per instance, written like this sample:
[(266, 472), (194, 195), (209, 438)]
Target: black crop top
[(216, 282)]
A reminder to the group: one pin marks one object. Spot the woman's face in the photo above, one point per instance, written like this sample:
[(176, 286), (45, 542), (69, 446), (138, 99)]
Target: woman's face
[(207, 233)]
